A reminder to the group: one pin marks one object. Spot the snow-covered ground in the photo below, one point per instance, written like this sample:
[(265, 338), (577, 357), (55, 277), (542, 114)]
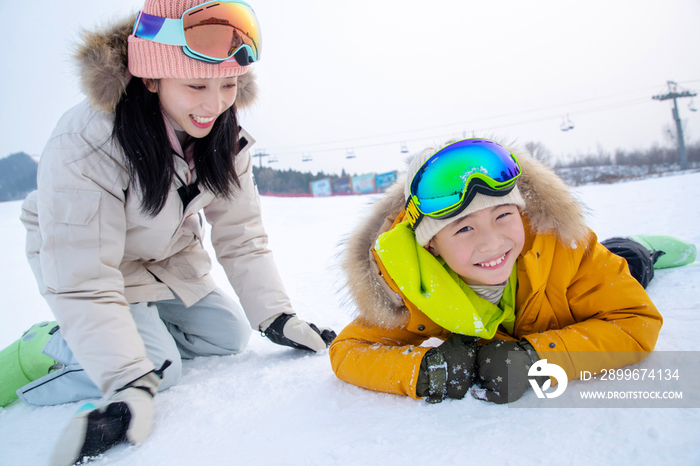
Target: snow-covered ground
[(272, 405)]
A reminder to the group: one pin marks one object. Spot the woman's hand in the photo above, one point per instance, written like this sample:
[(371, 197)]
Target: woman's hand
[(289, 330), (126, 416)]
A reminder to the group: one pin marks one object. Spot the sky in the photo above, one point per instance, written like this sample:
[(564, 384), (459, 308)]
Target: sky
[(369, 77), (273, 405)]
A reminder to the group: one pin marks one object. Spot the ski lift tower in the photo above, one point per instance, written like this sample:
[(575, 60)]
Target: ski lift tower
[(674, 94), (260, 153)]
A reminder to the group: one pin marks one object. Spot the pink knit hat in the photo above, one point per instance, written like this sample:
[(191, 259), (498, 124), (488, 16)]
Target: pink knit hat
[(148, 59)]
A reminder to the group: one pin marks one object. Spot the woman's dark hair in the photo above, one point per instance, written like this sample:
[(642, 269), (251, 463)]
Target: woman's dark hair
[(140, 130)]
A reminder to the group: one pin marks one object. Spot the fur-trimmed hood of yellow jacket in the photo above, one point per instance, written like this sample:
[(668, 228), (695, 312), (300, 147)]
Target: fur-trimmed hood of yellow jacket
[(551, 208), (101, 57)]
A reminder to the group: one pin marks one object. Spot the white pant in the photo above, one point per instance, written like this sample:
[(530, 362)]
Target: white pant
[(214, 326)]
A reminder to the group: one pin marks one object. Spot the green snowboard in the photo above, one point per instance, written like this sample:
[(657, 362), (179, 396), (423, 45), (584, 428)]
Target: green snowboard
[(676, 252)]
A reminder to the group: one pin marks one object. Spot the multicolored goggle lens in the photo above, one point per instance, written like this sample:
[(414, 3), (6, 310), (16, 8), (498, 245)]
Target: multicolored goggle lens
[(212, 32), (448, 181)]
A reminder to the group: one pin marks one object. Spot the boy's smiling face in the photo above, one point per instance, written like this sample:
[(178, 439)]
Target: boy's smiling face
[(483, 246)]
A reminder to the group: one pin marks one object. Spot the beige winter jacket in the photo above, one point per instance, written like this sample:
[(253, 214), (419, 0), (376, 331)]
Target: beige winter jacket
[(93, 251)]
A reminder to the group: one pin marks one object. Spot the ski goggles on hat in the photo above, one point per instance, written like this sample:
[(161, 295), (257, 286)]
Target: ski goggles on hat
[(448, 181), (212, 32)]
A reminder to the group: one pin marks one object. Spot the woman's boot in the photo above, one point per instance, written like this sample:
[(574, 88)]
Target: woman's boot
[(23, 362)]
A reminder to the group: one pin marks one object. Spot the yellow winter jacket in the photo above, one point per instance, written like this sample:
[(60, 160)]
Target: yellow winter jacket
[(572, 295)]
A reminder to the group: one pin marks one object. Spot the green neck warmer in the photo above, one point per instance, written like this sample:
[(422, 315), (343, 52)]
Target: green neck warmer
[(438, 291)]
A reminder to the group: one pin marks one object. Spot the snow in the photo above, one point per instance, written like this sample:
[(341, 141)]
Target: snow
[(272, 405)]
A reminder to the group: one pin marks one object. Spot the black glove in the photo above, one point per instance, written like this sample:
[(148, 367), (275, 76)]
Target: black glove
[(503, 368), (289, 330), (448, 370)]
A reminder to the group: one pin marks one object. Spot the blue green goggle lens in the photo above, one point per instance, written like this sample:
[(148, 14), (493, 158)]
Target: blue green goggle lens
[(212, 32), (448, 181)]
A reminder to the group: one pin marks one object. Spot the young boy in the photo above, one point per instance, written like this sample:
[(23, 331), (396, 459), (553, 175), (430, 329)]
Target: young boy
[(480, 245)]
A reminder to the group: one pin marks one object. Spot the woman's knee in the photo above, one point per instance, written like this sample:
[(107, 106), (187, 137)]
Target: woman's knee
[(231, 331), (240, 336)]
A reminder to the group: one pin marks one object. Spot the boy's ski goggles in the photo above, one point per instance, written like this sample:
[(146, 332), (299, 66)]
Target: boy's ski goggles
[(448, 181), (212, 32)]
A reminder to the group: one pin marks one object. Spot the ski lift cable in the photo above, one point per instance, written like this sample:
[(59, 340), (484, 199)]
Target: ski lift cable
[(678, 84), (425, 138), (636, 101), (481, 119), (641, 100), (477, 130), (474, 130)]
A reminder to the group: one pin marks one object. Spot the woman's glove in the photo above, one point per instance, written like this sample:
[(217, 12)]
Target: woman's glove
[(289, 330), (503, 370), (448, 370), (125, 416)]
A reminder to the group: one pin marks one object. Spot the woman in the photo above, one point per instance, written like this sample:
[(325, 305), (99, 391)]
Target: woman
[(115, 228)]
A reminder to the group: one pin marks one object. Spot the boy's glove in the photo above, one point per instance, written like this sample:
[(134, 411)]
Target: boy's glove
[(125, 416), (448, 370), (289, 330), (499, 383)]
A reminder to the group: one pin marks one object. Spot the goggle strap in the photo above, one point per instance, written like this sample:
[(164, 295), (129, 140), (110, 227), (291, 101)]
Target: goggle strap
[(162, 30), (477, 188), (413, 215)]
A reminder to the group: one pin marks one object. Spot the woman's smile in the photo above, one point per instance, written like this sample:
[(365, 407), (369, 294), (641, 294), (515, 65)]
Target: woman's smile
[(202, 122)]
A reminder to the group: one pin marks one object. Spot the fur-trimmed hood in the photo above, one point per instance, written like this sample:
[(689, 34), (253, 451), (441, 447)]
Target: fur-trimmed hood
[(101, 57), (551, 208)]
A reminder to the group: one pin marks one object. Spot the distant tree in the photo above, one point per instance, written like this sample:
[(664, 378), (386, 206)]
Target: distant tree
[(538, 151), (17, 176), (670, 134), (655, 155), (286, 181), (693, 151)]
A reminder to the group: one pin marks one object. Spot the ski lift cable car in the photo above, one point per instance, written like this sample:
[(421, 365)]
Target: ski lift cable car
[(404, 147), (306, 158), (566, 123), (350, 153), (691, 106)]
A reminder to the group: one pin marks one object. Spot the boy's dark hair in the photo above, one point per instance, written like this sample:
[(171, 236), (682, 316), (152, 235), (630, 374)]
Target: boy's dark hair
[(140, 130)]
